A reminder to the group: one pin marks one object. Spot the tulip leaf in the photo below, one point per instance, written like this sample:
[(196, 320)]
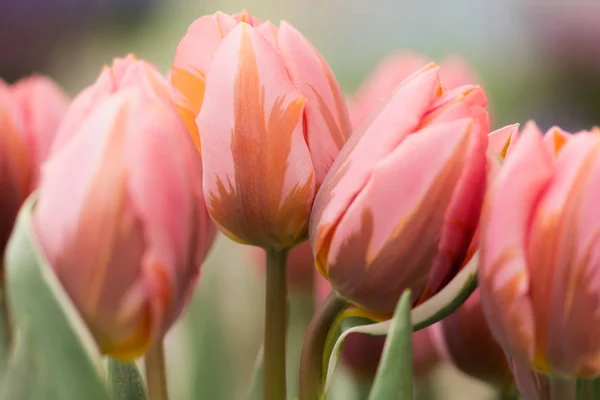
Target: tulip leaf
[(125, 380), (23, 378), (442, 304), (64, 349), (394, 377)]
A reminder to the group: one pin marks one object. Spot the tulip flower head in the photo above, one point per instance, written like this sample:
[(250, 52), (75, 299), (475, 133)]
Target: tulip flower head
[(400, 204), (124, 234), (267, 115), (538, 253), (30, 112)]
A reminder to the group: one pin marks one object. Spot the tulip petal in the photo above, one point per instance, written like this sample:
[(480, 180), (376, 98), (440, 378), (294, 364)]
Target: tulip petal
[(327, 121), (565, 261), (377, 137), (43, 104), (503, 275), (503, 140), (98, 218), (555, 139), (15, 164), (404, 201), (258, 174), (190, 65)]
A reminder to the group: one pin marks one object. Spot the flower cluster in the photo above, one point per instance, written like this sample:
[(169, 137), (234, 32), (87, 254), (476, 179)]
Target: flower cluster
[(398, 187)]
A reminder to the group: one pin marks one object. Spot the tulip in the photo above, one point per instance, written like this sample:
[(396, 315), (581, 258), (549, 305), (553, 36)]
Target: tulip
[(537, 272), (399, 206), (392, 70), (30, 111), (267, 114), (126, 236)]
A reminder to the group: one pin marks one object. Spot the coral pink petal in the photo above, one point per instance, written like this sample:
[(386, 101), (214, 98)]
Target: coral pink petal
[(564, 259), (404, 201), (377, 137), (43, 104), (327, 120), (503, 274), (191, 64), (503, 140), (254, 143)]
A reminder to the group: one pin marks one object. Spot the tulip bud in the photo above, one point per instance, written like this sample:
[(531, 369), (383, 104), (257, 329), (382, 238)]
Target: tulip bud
[(126, 235), (30, 112), (268, 116), (538, 249), (395, 68), (399, 206), (464, 339)]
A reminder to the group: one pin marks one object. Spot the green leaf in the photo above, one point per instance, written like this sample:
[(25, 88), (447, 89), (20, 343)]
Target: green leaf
[(64, 349), (125, 380), (23, 378), (4, 330), (446, 301), (394, 378)]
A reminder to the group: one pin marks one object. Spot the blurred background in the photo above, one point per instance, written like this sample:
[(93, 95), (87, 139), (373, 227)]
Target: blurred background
[(536, 59)]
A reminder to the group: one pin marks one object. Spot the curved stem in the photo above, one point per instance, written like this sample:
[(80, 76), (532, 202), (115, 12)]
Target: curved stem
[(156, 377), (311, 360), (274, 387)]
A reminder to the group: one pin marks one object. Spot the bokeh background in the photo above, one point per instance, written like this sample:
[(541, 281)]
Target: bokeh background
[(537, 59)]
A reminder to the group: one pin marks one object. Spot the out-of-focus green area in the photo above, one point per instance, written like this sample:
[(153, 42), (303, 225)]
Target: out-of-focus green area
[(532, 64)]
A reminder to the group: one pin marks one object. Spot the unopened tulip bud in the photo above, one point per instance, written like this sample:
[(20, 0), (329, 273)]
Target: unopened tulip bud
[(30, 111), (401, 203), (121, 218), (268, 116), (464, 339), (538, 253)]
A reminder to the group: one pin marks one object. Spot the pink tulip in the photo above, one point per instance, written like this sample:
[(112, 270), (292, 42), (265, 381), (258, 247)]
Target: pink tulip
[(401, 203), (268, 115), (537, 274), (392, 70), (121, 215), (30, 112)]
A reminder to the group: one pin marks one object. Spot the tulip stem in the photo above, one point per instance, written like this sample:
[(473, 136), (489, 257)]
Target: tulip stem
[(311, 360), (274, 385), (156, 377)]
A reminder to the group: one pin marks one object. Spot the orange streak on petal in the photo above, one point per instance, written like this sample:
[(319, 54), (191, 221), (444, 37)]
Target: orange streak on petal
[(189, 87)]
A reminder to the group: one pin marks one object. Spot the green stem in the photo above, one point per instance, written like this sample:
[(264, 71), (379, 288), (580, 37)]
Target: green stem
[(156, 377), (311, 361), (275, 326)]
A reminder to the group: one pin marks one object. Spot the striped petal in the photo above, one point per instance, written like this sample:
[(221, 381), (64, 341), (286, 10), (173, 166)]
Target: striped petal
[(564, 258), (376, 138), (258, 174), (191, 63), (399, 215), (327, 121), (503, 274)]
